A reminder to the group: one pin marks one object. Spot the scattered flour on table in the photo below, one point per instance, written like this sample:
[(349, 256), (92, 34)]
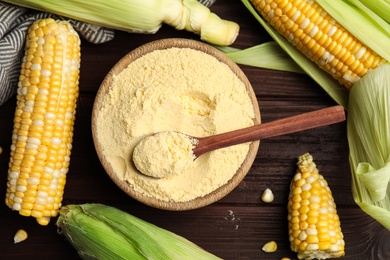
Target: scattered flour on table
[(232, 219), (176, 89)]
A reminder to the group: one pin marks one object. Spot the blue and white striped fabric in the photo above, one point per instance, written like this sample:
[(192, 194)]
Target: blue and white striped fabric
[(207, 3)]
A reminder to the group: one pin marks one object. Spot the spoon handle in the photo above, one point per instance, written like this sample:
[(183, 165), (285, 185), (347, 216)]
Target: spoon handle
[(321, 117)]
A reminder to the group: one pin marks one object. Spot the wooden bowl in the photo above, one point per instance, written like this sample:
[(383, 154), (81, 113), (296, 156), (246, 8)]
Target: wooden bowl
[(151, 201)]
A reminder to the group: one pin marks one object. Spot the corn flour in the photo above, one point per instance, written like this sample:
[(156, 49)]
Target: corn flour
[(176, 89), (164, 154)]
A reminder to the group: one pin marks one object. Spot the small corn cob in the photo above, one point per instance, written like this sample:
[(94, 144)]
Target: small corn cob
[(316, 34), (44, 119), (314, 226)]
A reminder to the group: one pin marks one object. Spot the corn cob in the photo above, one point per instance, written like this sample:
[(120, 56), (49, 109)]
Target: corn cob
[(316, 34), (44, 118), (314, 226), (102, 232)]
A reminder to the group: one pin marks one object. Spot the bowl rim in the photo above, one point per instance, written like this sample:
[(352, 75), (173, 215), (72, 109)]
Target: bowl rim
[(198, 202)]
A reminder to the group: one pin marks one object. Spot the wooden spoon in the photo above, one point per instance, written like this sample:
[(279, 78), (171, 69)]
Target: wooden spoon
[(279, 127), (305, 121)]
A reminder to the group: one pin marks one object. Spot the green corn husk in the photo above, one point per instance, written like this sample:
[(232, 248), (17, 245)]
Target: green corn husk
[(102, 232), (143, 16), (382, 8), (368, 126), (272, 57)]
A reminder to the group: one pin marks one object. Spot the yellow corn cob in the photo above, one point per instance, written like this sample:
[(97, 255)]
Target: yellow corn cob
[(312, 30), (314, 226), (44, 119)]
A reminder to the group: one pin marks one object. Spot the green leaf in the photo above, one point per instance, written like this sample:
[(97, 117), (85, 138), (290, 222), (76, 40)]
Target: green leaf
[(268, 55)]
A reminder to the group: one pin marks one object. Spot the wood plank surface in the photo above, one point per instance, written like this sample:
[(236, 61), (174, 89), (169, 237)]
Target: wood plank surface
[(239, 224)]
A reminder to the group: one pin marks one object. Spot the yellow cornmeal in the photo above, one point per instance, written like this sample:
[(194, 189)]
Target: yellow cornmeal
[(164, 154), (177, 89)]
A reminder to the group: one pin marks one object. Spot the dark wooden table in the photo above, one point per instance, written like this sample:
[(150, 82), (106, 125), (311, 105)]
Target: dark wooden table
[(238, 225)]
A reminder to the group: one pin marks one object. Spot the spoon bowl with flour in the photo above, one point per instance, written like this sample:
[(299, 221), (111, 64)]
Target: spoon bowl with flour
[(168, 153)]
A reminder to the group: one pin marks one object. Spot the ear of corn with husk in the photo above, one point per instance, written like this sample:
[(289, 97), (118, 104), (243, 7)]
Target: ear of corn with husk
[(326, 81), (143, 16), (103, 232), (370, 28), (316, 34)]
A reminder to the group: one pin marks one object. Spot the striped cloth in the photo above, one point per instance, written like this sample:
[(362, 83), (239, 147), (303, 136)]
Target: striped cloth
[(207, 3), (14, 23)]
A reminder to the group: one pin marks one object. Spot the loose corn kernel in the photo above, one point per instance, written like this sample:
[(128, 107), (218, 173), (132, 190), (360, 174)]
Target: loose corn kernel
[(267, 196), (20, 236), (44, 118), (316, 34), (270, 247), (317, 233)]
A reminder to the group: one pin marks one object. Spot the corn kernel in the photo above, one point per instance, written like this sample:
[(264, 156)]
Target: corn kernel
[(20, 236), (267, 196), (270, 247)]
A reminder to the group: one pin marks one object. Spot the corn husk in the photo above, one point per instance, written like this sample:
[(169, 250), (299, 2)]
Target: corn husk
[(143, 16), (368, 126), (102, 232), (268, 55), (381, 8)]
